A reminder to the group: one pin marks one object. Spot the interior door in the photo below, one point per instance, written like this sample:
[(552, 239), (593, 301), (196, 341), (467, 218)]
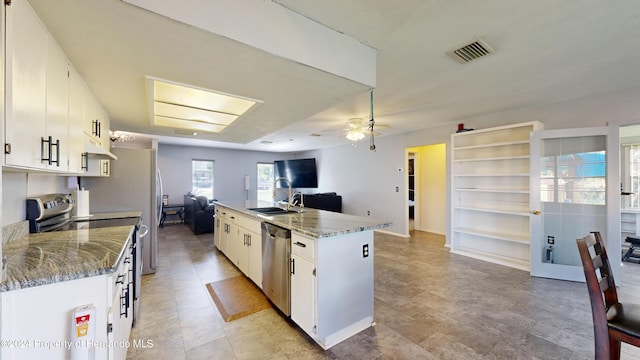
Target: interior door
[(574, 190)]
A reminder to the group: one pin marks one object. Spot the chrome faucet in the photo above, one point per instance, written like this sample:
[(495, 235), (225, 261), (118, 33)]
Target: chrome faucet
[(290, 198)]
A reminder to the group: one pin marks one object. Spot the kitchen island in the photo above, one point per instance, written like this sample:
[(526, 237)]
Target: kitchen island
[(331, 263), (47, 276)]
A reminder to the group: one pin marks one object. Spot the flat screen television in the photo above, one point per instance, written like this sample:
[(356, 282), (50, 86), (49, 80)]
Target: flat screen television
[(300, 172)]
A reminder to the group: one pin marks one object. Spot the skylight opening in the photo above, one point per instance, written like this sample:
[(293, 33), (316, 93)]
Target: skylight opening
[(181, 106)]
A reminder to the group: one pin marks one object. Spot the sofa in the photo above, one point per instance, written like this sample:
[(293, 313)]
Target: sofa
[(198, 214), (329, 201)]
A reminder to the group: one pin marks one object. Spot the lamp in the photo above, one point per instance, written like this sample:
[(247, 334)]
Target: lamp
[(120, 137), (355, 135)]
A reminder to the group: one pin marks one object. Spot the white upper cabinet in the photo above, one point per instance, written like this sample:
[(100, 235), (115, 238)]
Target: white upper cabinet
[(50, 111), (26, 86), (78, 159), (92, 123), (57, 99)]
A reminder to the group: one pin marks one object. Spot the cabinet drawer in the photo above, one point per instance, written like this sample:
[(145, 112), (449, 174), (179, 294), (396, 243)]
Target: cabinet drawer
[(230, 216), (250, 224), (303, 246)]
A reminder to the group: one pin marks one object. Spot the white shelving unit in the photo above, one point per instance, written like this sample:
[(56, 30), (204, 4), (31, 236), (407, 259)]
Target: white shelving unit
[(629, 226), (490, 194)]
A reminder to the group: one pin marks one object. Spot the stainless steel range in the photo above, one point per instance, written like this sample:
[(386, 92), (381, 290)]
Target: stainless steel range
[(52, 212)]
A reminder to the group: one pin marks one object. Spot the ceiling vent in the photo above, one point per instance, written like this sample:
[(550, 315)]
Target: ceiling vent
[(471, 51)]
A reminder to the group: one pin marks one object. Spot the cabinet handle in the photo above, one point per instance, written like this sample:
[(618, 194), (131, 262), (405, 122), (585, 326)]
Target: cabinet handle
[(57, 145), (300, 244), (120, 279), (84, 161), (99, 134), (249, 237), (293, 266), (124, 303), (42, 142), (105, 167)]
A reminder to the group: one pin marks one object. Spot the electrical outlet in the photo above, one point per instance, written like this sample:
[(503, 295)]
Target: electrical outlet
[(400, 170), (365, 250), (368, 212), (397, 189), (551, 240)]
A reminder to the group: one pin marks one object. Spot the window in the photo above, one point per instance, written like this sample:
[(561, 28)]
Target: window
[(575, 178), (265, 181), (202, 178)]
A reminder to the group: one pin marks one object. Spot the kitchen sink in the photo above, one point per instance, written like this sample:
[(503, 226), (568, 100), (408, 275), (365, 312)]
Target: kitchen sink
[(271, 210)]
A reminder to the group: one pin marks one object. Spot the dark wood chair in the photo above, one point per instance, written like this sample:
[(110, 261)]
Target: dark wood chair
[(613, 322)]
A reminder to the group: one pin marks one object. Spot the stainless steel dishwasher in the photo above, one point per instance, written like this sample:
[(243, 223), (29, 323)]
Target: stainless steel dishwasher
[(276, 255)]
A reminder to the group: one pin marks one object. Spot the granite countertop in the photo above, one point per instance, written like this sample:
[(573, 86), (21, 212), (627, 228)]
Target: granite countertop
[(109, 215), (47, 258), (311, 222)]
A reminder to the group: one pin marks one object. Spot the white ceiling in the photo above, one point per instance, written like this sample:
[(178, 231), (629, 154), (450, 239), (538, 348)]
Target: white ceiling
[(546, 52)]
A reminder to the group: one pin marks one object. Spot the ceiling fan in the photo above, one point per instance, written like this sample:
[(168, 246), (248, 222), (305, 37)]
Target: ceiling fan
[(358, 130)]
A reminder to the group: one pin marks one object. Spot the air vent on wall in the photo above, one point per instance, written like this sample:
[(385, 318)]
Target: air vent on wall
[(471, 51)]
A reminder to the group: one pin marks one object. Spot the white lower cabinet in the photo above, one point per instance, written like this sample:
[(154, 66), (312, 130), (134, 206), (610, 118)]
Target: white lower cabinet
[(217, 227), (241, 242), (303, 292), (330, 276), (247, 260), (120, 314), (229, 232), (39, 319), (235, 248), (254, 247)]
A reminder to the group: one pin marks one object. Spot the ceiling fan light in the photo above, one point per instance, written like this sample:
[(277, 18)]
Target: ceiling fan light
[(355, 135)]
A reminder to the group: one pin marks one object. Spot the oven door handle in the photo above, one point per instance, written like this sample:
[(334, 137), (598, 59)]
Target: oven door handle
[(145, 230)]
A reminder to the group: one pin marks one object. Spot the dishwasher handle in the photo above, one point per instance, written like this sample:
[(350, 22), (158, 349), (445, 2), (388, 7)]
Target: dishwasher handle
[(145, 230)]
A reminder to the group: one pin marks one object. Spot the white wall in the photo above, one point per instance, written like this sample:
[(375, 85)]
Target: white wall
[(365, 179), (16, 187), (229, 170)]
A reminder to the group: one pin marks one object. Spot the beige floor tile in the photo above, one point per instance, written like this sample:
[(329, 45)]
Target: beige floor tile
[(429, 304)]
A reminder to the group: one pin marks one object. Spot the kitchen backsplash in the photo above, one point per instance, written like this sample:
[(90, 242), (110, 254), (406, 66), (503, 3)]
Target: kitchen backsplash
[(15, 231)]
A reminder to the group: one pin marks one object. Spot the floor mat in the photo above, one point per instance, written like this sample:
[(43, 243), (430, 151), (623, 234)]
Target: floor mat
[(237, 297)]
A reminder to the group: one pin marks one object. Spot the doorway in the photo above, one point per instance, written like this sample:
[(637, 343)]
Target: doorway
[(411, 188), (630, 202), (427, 181), (573, 191)]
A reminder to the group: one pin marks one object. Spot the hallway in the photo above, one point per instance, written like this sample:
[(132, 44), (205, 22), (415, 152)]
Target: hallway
[(429, 304)]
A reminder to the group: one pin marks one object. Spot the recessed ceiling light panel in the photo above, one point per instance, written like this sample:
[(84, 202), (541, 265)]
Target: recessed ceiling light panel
[(192, 114), (186, 107)]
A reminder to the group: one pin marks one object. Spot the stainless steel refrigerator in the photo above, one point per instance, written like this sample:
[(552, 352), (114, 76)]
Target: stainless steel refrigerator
[(134, 185)]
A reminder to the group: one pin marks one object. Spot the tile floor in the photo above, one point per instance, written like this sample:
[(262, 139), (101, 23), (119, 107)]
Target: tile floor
[(429, 304)]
